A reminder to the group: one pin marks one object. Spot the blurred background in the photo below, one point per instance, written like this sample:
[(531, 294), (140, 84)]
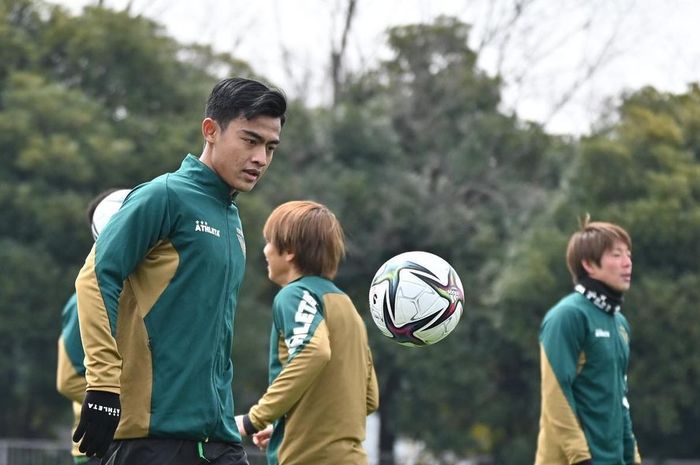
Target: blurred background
[(479, 131)]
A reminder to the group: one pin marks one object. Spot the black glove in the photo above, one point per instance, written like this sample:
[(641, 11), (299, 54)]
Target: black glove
[(99, 419)]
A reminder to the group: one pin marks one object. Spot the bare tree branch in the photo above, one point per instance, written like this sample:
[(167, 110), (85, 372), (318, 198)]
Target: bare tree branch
[(338, 52), (603, 58)]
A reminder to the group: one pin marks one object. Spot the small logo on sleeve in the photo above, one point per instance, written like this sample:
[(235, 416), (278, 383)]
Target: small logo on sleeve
[(602, 333), (241, 240), (203, 226)]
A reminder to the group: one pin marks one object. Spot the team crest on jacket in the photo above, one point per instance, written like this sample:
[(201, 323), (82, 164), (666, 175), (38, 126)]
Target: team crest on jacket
[(203, 226), (241, 239), (623, 334)]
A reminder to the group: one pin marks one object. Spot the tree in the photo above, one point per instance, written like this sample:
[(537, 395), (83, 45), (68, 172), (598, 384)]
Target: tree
[(416, 154), (420, 158), (655, 145), (639, 169), (86, 103)]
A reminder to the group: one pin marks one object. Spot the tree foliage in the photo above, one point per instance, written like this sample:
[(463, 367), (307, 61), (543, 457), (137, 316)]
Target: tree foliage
[(415, 154), (640, 170), (86, 102), (466, 178)]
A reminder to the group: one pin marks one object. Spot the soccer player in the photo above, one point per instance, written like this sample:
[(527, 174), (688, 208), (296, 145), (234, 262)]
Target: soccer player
[(70, 371), (584, 353), (157, 296), (322, 379)]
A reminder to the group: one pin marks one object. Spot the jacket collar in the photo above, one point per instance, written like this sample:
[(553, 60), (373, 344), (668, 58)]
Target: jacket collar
[(600, 295), (193, 168)]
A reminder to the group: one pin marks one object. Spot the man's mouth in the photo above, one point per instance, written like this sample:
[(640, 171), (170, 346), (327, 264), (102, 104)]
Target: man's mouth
[(252, 173)]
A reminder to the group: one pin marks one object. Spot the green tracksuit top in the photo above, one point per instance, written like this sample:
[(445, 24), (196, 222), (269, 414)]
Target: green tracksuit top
[(584, 353), (322, 379), (156, 300)]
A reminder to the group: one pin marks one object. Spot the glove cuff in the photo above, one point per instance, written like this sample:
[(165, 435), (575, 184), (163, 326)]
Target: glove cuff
[(248, 425)]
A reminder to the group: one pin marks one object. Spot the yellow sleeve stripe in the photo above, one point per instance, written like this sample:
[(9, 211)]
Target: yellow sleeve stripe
[(372, 385), (68, 382), (102, 360), (558, 421), (293, 380)]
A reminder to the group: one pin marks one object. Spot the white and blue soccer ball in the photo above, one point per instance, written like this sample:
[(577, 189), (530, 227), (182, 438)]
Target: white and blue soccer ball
[(416, 298), (105, 209)]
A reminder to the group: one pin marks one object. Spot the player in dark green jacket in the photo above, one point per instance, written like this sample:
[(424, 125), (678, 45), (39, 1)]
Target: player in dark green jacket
[(157, 296), (584, 349), (322, 379)]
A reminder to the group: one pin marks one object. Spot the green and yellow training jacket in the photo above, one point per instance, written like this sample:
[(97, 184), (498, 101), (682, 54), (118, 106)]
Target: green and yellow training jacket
[(584, 354), (156, 300), (322, 379)]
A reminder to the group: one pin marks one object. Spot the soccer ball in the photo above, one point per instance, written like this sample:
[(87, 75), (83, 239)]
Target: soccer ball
[(416, 298), (105, 209)]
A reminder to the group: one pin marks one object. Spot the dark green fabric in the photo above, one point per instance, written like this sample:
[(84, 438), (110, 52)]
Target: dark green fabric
[(190, 327), (597, 393)]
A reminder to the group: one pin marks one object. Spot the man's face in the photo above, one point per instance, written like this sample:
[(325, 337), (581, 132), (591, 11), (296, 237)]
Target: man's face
[(615, 268), (279, 264), (241, 152)]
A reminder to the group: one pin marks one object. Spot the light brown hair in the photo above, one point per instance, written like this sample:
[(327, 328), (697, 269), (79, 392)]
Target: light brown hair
[(590, 242), (311, 232)]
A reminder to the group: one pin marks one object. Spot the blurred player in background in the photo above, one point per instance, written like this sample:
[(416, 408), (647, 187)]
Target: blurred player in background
[(70, 372), (322, 379), (584, 353), (158, 293)]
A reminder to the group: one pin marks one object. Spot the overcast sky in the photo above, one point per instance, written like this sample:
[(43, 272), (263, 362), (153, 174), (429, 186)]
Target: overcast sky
[(561, 59)]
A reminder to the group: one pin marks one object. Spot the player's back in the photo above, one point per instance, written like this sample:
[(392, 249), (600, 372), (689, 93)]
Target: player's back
[(327, 425)]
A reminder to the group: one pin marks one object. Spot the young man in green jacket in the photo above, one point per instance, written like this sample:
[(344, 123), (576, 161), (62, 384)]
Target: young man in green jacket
[(157, 296), (584, 352)]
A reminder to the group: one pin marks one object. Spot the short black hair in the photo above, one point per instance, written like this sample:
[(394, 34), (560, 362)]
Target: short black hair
[(234, 97)]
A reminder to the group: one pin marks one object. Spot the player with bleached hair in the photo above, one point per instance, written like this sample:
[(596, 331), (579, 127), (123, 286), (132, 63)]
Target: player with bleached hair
[(584, 353), (322, 379)]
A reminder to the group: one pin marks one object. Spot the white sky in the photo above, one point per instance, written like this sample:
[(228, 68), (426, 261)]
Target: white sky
[(548, 53)]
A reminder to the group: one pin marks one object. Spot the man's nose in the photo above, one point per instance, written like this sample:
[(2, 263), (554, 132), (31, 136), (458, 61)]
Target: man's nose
[(260, 155)]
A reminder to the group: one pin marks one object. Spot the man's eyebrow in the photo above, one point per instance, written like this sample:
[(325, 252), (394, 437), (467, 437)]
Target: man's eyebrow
[(258, 137)]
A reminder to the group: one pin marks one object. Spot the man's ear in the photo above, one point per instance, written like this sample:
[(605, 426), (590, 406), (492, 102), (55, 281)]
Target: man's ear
[(589, 266), (289, 257), (209, 129)]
